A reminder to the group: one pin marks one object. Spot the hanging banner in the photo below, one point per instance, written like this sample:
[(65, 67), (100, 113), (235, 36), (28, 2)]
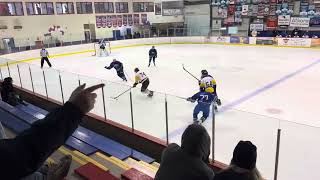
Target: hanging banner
[(231, 9), (125, 19), (272, 22), (273, 9), (136, 19), (284, 20), (114, 20), (222, 12), (144, 18), (237, 17), (261, 10), (104, 21), (130, 20), (266, 10), (255, 9), (299, 22), (98, 22), (296, 42), (119, 20), (245, 9), (157, 9), (109, 21)]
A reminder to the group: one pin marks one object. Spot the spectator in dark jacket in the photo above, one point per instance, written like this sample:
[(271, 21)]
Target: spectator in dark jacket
[(24, 154), (7, 93), (243, 164), (190, 161)]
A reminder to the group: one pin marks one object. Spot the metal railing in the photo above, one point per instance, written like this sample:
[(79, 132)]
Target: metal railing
[(165, 116)]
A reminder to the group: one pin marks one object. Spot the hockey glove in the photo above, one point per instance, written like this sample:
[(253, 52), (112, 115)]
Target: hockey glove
[(191, 100)]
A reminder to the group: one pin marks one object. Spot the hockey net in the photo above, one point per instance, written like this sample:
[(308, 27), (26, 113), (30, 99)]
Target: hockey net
[(98, 51)]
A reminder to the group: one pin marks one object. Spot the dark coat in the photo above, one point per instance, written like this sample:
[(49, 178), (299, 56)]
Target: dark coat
[(190, 161), (24, 154)]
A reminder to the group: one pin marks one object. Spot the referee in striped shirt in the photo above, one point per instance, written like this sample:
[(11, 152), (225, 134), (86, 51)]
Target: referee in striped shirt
[(44, 57)]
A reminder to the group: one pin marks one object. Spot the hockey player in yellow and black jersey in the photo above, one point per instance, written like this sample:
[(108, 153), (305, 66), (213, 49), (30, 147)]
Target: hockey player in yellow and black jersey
[(142, 78), (208, 81)]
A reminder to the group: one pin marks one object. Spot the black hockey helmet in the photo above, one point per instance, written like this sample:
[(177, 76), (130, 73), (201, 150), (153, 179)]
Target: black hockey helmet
[(136, 70), (204, 72)]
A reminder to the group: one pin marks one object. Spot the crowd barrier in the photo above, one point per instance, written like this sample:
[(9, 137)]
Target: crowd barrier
[(286, 150)]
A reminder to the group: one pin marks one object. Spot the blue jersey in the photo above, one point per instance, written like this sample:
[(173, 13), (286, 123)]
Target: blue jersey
[(204, 98), (117, 65)]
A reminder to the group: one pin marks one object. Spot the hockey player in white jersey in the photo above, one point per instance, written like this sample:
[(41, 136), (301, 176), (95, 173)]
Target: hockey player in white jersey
[(142, 78), (102, 47), (208, 81)]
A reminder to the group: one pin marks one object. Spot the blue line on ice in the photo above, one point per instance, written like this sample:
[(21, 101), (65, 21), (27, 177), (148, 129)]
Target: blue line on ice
[(252, 94)]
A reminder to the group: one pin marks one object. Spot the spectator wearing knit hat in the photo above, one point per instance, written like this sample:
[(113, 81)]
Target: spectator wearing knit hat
[(243, 164)]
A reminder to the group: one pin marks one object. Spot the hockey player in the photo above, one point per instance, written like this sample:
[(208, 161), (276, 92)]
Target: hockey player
[(208, 81), (118, 66), (102, 47), (153, 55), (142, 78), (205, 97)]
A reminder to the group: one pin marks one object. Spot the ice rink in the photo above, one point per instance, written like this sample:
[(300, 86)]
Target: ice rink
[(261, 88)]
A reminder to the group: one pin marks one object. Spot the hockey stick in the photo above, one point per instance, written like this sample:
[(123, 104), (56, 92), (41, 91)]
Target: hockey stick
[(189, 73), (116, 98)]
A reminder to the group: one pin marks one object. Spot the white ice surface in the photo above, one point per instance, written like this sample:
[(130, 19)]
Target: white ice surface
[(238, 71)]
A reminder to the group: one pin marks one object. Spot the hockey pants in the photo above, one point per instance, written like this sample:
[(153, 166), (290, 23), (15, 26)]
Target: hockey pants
[(205, 109)]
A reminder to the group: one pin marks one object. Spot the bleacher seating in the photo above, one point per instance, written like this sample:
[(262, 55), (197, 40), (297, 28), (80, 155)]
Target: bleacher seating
[(89, 150)]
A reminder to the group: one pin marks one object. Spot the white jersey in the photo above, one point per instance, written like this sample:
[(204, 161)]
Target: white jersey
[(44, 53), (140, 77), (208, 81)]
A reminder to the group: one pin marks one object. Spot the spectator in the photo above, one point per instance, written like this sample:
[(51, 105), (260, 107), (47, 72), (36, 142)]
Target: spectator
[(190, 161), (7, 93), (24, 154), (243, 164)]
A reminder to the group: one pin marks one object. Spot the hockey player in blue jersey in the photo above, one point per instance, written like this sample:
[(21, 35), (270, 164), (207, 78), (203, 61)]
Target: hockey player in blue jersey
[(205, 98), (118, 66)]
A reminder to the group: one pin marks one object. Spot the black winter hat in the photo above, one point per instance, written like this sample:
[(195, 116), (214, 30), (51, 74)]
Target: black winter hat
[(245, 155)]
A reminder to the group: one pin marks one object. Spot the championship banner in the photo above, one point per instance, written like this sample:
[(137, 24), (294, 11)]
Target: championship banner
[(222, 12), (130, 20), (295, 42), (266, 10), (284, 20), (239, 8), (299, 22), (273, 9), (104, 21), (157, 9), (245, 9), (255, 9), (136, 19), (125, 19), (98, 22), (260, 9), (144, 18), (109, 21), (114, 20), (231, 9), (237, 17), (119, 20)]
